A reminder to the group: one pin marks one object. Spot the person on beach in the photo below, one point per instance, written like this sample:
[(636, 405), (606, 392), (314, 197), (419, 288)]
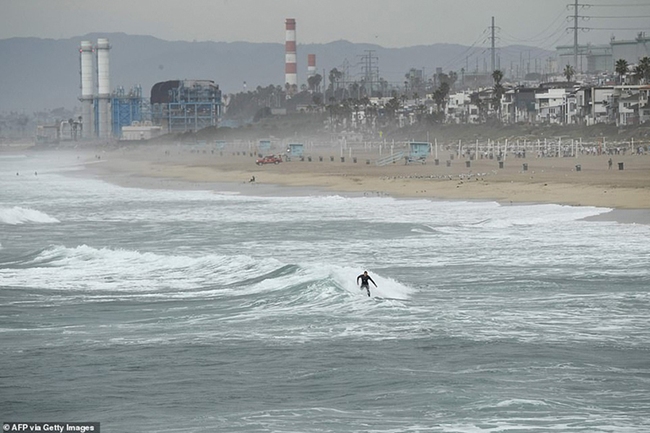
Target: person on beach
[(609, 164), (364, 281)]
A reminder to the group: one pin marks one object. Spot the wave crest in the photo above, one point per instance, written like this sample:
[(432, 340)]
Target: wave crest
[(18, 215)]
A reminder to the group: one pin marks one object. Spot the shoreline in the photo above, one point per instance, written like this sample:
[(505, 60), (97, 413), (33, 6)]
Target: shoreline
[(546, 180)]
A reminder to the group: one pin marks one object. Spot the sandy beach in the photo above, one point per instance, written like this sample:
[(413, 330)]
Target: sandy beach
[(520, 180)]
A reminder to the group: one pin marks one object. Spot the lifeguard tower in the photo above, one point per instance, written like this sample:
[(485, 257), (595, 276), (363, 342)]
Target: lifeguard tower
[(418, 152), (295, 150), (263, 147)]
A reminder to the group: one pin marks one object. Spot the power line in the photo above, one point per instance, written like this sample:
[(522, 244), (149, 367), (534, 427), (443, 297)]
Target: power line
[(461, 55), (536, 38), (627, 5), (619, 28), (625, 17)]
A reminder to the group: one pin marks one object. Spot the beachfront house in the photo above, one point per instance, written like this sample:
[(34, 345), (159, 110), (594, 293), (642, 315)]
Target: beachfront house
[(518, 105), (644, 104), (457, 108), (550, 106), (597, 104), (630, 104)]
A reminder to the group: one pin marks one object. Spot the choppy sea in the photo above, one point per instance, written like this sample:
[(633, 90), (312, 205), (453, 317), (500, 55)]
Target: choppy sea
[(209, 311)]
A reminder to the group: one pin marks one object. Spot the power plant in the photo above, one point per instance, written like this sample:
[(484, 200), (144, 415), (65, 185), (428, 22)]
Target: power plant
[(104, 113), (175, 106)]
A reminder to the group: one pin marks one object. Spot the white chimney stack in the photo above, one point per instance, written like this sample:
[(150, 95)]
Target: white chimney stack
[(104, 88), (87, 88)]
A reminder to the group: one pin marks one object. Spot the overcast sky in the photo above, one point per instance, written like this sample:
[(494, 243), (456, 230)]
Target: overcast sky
[(389, 23)]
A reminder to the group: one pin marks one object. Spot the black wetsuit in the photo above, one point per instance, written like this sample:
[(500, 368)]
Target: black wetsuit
[(364, 282)]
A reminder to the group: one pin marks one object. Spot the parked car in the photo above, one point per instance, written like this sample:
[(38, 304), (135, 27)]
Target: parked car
[(269, 159)]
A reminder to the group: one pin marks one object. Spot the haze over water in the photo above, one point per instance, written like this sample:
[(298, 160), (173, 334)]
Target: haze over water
[(160, 311)]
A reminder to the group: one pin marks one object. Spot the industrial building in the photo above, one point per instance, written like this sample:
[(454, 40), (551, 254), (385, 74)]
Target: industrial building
[(185, 105), (602, 58)]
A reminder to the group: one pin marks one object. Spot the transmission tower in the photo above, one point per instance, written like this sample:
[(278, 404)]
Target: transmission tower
[(575, 29), (370, 72), (493, 51)]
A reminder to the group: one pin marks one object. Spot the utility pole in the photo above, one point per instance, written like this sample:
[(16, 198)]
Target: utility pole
[(575, 36)]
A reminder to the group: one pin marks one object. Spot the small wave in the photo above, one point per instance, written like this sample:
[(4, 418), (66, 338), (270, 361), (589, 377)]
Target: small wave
[(521, 402), (425, 229), (18, 215)]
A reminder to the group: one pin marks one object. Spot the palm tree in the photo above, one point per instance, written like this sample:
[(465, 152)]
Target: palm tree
[(621, 69), (642, 70), (314, 82), (334, 77), (392, 107), (569, 72), (440, 95)]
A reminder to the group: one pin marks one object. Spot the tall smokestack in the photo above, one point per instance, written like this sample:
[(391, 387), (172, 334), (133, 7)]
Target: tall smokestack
[(87, 88), (104, 88), (311, 65), (290, 69)]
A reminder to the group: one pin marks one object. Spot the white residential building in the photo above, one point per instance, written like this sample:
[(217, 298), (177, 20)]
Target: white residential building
[(457, 106), (551, 106)]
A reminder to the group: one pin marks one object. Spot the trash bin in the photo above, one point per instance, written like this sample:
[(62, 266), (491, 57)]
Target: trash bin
[(620, 166), (343, 159), (468, 164), (354, 159), (578, 167), (448, 163), (500, 164), (309, 158), (320, 158), (436, 161), (331, 158), (525, 167)]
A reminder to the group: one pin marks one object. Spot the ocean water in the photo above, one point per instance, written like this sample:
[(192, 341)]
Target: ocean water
[(202, 311)]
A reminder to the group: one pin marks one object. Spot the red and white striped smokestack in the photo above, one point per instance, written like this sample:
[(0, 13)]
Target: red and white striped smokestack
[(311, 65), (290, 69)]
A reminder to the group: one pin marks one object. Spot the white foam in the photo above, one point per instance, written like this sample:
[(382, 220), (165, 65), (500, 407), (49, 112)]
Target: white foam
[(386, 286), (18, 215), (88, 268)]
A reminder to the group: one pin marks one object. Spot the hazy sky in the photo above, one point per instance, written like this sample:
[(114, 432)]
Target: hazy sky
[(389, 23)]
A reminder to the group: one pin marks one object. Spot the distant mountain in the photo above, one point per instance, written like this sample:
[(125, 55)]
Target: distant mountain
[(38, 74)]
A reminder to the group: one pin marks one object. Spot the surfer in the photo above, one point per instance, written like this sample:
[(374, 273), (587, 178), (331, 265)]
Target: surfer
[(364, 281)]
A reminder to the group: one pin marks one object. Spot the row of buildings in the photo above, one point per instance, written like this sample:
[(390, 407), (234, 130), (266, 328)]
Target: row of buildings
[(553, 103)]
